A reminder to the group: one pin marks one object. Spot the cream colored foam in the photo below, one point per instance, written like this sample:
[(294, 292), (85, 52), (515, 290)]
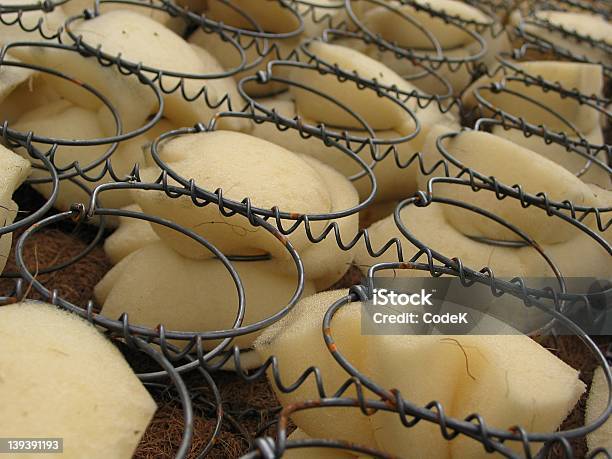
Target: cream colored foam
[(584, 24), (50, 23), (596, 405), (20, 95), (68, 382), (585, 78), (376, 212), (138, 39), (297, 342), (396, 29), (131, 235), (62, 119), (466, 373), (76, 7), (510, 164), (443, 361), (245, 166), (430, 227), (455, 42), (141, 39), (13, 171), (11, 77), (393, 182), (570, 160), (183, 294), (307, 453), (512, 381), (380, 113), (226, 53), (133, 100), (271, 16), (457, 78)]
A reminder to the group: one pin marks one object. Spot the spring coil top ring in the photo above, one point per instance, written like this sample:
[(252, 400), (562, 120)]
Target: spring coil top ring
[(474, 425), (528, 197), (138, 67), (256, 33), (245, 207), (435, 60)]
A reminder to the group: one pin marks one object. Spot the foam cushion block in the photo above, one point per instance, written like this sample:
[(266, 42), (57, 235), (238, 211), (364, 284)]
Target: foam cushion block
[(396, 29), (510, 164), (379, 112), (22, 91), (78, 384), (131, 235), (455, 41), (12, 77), (155, 285), (62, 119), (393, 181), (141, 39), (11, 31), (270, 16), (430, 226), (529, 387), (306, 453), (245, 166), (569, 159), (585, 24), (585, 78), (466, 373), (13, 171), (297, 342), (133, 100), (226, 53), (596, 405)]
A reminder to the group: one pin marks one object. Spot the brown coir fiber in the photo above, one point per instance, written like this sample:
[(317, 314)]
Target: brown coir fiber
[(53, 246), (165, 432)]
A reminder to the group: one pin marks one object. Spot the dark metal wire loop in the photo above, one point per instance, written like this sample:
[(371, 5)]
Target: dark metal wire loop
[(451, 427), (118, 326), (175, 361), (574, 138), (331, 134), (258, 32), (245, 207), (515, 189), (436, 60), (98, 51), (473, 426), (16, 19), (421, 201), (99, 236), (120, 136), (401, 94), (546, 45), (509, 65), (38, 214), (44, 6)]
